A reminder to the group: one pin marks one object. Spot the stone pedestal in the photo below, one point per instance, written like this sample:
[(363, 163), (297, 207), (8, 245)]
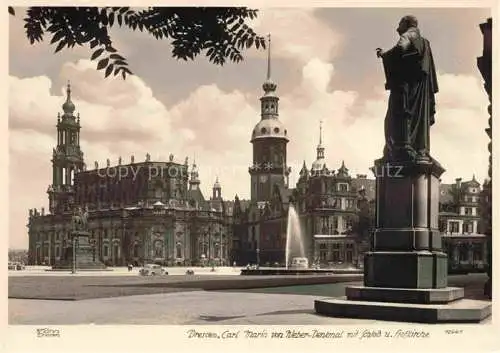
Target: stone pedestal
[(405, 272), (84, 256)]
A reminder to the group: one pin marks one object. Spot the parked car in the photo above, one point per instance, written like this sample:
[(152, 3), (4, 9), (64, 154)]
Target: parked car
[(16, 266), (152, 270), (299, 262)]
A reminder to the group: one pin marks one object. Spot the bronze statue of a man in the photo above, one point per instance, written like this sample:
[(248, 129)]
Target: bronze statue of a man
[(411, 79)]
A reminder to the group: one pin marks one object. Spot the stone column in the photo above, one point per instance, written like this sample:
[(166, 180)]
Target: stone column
[(407, 250)]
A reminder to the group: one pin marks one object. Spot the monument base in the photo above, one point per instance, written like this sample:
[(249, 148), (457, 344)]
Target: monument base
[(84, 258), (430, 305), (459, 311), (405, 272), (406, 269), (405, 295)]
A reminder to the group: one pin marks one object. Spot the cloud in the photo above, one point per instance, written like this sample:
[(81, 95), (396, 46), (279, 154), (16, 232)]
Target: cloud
[(298, 34)]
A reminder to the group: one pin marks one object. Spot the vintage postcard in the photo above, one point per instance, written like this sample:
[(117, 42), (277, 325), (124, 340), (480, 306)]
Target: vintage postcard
[(306, 176)]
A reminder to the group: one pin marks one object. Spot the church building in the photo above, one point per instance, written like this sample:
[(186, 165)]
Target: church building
[(139, 212)]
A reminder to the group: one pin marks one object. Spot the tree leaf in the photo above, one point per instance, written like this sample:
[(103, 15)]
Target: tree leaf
[(102, 63), (61, 45), (96, 54), (93, 43), (116, 57), (249, 42), (57, 36), (119, 18), (109, 69), (110, 49), (111, 19), (11, 11)]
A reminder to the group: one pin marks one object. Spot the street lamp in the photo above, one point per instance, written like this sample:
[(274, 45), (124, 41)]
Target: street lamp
[(258, 257), (73, 270), (93, 243)]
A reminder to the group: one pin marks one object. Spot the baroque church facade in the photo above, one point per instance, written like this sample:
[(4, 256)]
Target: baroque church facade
[(139, 212)]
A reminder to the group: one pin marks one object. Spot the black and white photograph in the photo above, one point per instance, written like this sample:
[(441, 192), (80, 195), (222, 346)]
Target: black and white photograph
[(323, 167)]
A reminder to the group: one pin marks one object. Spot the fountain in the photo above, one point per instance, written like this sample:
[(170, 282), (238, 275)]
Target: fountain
[(294, 239), (295, 253)]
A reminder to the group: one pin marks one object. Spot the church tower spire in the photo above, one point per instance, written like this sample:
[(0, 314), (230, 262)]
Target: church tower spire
[(320, 150), (68, 106), (217, 190), (269, 102), (319, 163), (194, 181), (67, 158)]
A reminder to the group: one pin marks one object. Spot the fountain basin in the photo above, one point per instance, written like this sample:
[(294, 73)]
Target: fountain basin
[(270, 271)]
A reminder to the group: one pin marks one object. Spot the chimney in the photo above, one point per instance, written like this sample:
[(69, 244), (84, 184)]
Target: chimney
[(458, 182), (361, 176)]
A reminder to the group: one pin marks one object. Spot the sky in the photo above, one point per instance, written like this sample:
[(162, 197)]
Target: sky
[(323, 61)]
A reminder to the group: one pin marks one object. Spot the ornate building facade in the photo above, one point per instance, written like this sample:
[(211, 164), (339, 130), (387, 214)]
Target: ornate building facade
[(461, 227), (328, 202), (141, 211)]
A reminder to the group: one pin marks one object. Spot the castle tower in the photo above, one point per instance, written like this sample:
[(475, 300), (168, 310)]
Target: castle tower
[(319, 163), (67, 158), (194, 181), (269, 140), (217, 190)]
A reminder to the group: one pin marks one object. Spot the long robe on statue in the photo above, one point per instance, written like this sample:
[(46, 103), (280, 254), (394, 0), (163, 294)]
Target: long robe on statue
[(411, 78)]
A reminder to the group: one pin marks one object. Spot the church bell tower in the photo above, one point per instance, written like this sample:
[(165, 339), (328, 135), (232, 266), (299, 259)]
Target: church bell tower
[(67, 159)]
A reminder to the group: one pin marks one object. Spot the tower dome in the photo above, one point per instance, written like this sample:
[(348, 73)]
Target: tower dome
[(267, 128)]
